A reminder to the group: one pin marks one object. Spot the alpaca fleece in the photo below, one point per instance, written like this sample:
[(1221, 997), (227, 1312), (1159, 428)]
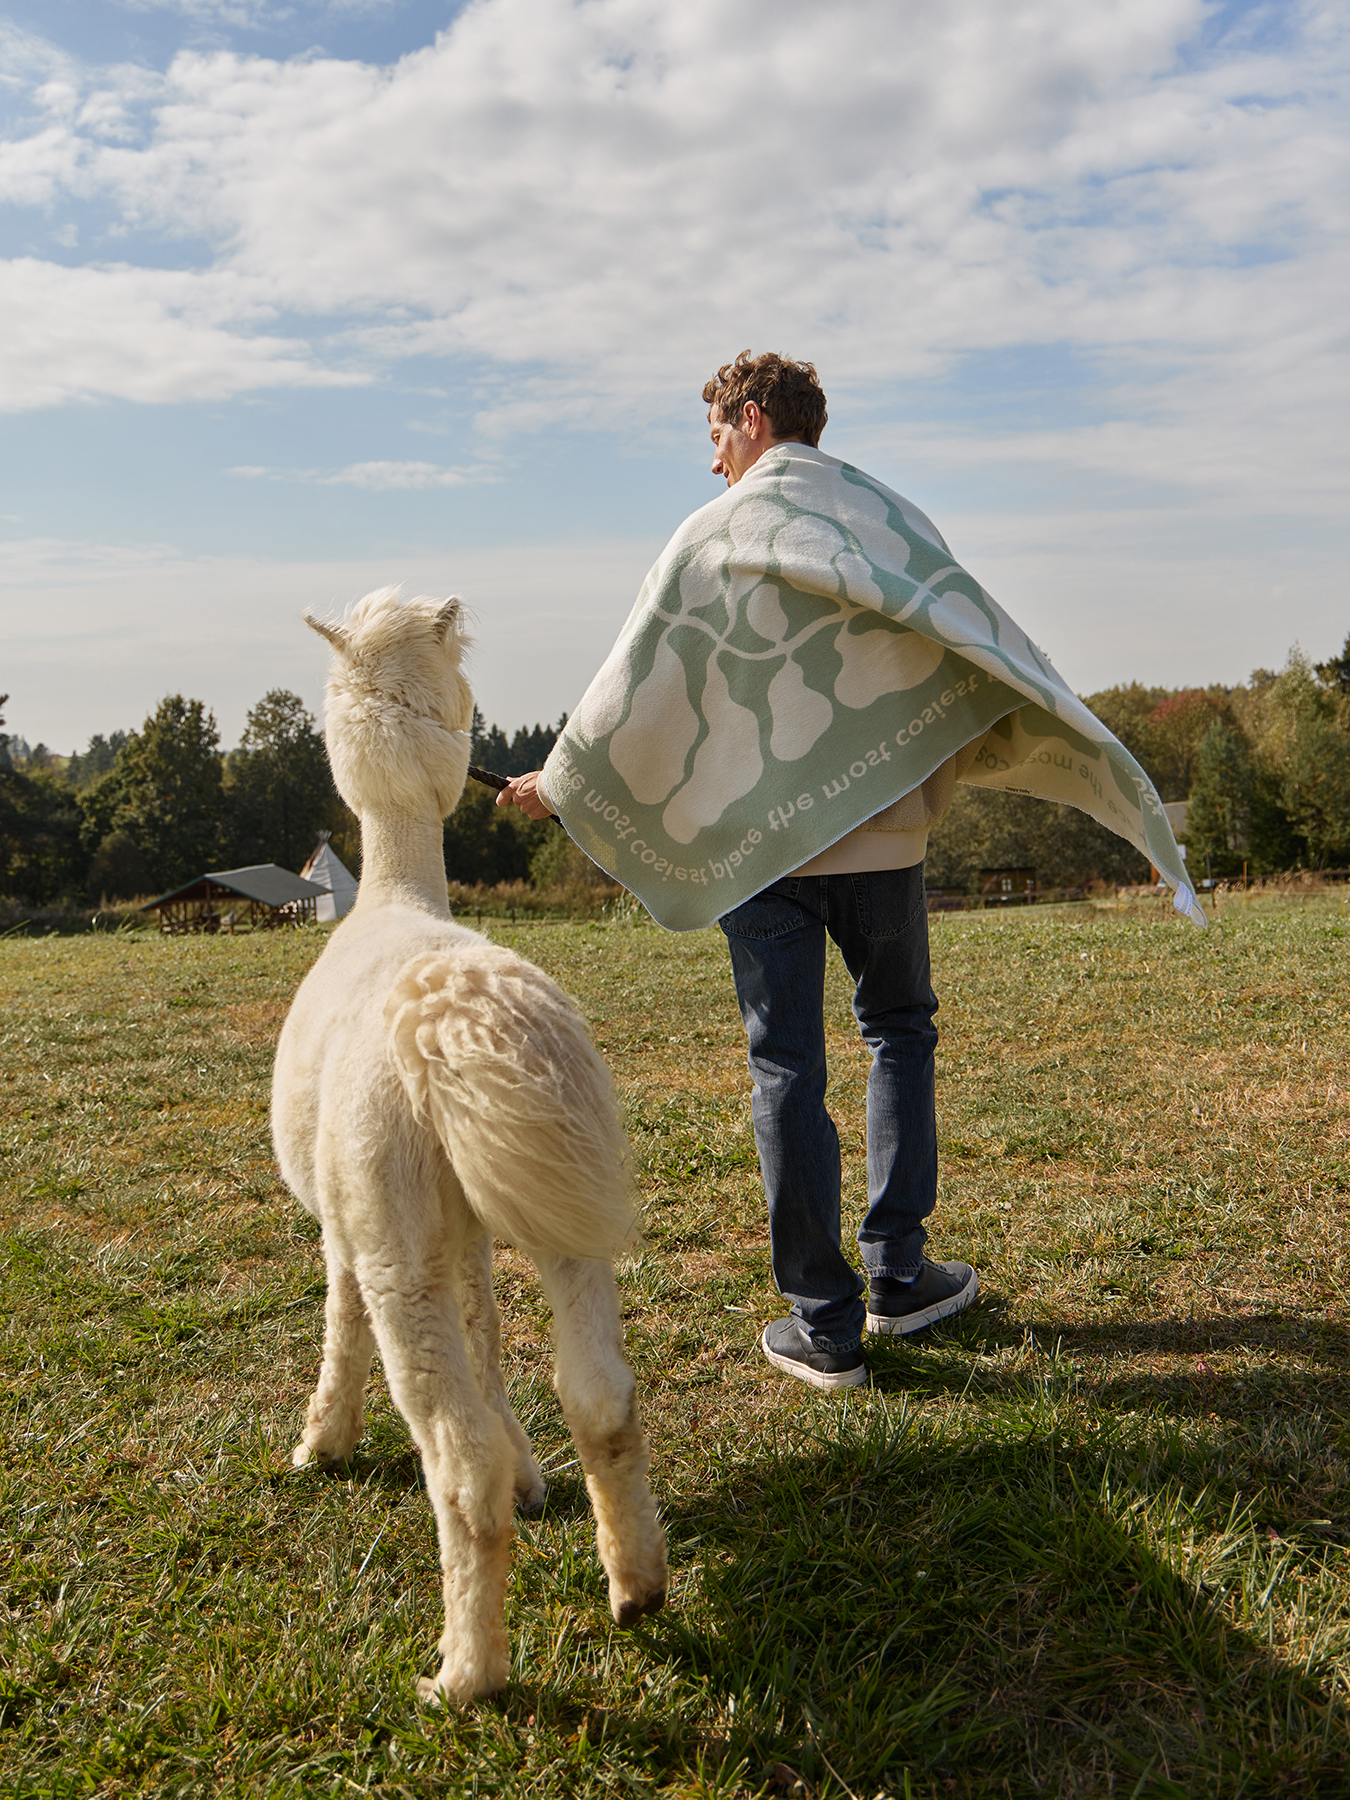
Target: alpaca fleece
[(433, 1091)]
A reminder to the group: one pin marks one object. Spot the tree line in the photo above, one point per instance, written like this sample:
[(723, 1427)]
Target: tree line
[(1264, 765), (142, 812)]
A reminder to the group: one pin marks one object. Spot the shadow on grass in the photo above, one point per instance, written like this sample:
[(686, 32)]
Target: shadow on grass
[(918, 1366), (400, 1476), (394, 1474), (1269, 1439), (877, 1605)]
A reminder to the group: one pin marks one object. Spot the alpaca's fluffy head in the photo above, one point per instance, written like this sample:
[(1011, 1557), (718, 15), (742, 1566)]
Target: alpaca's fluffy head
[(399, 710)]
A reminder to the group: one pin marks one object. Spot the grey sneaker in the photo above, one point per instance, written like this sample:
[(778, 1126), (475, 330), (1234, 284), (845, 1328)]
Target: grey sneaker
[(936, 1292), (789, 1349)]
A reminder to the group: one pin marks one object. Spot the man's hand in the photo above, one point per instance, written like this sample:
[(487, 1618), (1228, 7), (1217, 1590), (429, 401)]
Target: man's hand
[(525, 792)]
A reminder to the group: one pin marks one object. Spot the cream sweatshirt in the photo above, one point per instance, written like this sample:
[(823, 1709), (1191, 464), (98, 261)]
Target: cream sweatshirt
[(896, 837)]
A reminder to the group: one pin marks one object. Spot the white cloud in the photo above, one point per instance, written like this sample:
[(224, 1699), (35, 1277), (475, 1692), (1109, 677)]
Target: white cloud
[(600, 201), (1260, 424), (142, 334), (376, 477)]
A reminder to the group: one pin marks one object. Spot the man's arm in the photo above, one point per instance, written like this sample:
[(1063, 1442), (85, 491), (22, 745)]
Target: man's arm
[(529, 794)]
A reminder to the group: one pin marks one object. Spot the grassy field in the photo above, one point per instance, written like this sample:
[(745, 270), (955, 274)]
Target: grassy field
[(1094, 1538)]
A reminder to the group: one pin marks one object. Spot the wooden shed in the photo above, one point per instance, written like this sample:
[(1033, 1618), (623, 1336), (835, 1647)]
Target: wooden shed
[(1007, 887), (260, 896)]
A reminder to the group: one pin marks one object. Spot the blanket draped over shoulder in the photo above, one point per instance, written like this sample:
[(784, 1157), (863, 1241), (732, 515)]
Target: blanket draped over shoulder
[(805, 652)]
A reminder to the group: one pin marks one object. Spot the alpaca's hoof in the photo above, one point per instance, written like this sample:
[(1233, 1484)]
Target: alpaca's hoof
[(532, 1500), (628, 1612), (531, 1490), (457, 1687), (304, 1456)]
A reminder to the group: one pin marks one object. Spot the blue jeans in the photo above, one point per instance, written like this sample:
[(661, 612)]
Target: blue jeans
[(777, 940)]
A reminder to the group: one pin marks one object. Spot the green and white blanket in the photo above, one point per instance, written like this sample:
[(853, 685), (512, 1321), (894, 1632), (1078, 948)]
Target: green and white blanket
[(806, 651)]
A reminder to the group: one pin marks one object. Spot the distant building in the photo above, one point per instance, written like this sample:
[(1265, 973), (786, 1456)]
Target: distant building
[(259, 896), (326, 869), (1007, 887)]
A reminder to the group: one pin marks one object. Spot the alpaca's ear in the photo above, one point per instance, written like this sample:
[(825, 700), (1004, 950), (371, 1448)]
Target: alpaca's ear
[(336, 634), (446, 617)]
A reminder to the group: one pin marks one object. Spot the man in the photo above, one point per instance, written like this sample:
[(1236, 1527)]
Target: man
[(867, 893)]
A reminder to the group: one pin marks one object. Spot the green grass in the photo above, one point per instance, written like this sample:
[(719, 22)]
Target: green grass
[(1092, 1538)]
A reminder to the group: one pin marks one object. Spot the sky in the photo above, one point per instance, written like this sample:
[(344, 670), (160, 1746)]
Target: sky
[(306, 297)]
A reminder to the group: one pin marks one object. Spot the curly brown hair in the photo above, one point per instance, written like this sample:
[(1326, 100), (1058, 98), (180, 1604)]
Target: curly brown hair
[(787, 393)]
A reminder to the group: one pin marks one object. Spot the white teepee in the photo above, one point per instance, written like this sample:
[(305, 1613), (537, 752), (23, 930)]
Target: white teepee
[(326, 870)]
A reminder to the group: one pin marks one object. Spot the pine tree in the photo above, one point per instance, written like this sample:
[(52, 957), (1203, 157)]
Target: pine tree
[(83, 770), (490, 748), (1335, 672), (494, 752), (489, 843)]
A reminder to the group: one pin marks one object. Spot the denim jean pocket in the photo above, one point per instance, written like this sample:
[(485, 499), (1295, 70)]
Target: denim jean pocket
[(772, 914), (891, 902)]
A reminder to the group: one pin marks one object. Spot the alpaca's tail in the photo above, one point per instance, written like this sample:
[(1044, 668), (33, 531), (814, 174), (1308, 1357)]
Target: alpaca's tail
[(497, 1059)]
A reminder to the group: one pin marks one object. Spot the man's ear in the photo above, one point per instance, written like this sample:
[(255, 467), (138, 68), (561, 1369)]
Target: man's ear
[(751, 419)]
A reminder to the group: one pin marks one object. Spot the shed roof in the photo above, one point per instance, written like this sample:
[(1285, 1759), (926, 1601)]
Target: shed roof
[(265, 882)]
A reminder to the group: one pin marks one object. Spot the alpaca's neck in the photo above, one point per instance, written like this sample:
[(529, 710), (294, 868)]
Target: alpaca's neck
[(402, 862)]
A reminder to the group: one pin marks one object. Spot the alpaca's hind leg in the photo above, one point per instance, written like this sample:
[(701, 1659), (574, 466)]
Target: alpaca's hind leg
[(333, 1423), (599, 1398), (483, 1335), (468, 1459)]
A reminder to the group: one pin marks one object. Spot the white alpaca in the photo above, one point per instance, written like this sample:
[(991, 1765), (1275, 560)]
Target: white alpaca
[(433, 1091)]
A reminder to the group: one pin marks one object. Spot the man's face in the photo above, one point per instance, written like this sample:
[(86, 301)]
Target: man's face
[(738, 447)]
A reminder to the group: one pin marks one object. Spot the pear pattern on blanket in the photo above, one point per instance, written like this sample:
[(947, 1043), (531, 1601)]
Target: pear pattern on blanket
[(861, 656), (801, 715), (727, 764), (881, 662), (652, 763)]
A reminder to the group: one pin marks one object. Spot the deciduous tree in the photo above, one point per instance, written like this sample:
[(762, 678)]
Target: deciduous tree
[(489, 843), (1178, 728), (279, 790), (1219, 817), (40, 857), (990, 830), (170, 800)]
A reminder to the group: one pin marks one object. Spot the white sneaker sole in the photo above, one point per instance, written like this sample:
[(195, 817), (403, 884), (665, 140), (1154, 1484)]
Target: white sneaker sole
[(883, 1325), (789, 1366)]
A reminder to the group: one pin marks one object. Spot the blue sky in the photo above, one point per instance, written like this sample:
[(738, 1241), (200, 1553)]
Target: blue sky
[(302, 298)]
